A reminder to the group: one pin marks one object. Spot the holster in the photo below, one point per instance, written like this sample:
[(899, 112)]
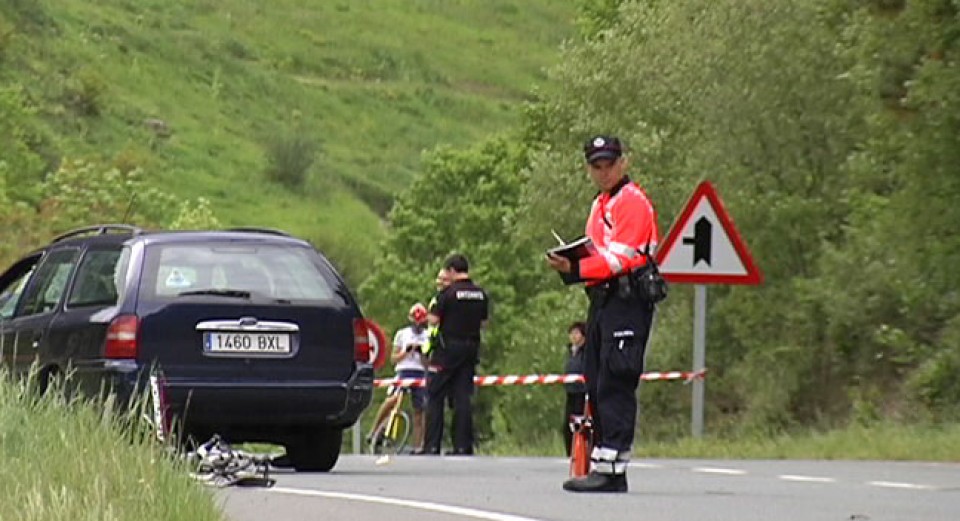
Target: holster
[(599, 293), (644, 285)]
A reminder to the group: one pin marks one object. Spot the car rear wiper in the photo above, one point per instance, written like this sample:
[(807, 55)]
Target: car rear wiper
[(234, 293)]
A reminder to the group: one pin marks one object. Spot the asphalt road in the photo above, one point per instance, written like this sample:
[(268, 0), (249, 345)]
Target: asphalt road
[(522, 489)]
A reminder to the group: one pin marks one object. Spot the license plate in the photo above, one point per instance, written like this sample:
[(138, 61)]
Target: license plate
[(246, 343)]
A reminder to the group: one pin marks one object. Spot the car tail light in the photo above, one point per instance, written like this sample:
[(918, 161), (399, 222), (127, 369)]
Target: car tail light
[(122, 336), (361, 341)]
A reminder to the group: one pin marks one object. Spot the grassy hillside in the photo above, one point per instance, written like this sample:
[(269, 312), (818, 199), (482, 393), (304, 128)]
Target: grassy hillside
[(367, 84)]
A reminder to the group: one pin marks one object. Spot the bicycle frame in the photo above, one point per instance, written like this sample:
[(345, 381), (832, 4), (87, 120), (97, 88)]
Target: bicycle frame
[(392, 426), (392, 434)]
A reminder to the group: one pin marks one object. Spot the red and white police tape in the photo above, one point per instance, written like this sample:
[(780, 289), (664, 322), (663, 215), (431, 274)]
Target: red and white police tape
[(539, 379)]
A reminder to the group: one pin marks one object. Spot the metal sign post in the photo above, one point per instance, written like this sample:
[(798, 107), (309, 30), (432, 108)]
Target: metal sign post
[(699, 357), (356, 437), (703, 247)]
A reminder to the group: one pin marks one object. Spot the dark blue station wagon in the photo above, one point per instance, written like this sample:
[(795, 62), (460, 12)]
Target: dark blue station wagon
[(257, 336)]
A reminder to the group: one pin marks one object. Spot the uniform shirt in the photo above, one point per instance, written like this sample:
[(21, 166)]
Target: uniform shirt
[(462, 307), (406, 337), (621, 223)]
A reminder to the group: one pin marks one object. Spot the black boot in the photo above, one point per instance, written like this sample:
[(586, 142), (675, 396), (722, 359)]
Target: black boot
[(596, 482)]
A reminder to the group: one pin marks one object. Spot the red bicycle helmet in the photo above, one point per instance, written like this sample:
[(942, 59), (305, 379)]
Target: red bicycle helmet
[(418, 313)]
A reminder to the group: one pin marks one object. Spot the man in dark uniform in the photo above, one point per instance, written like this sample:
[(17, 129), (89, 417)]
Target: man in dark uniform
[(622, 224), (461, 312)]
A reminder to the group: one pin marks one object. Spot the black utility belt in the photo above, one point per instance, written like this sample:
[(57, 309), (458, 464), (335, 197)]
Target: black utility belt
[(607, 288), (643, 285)]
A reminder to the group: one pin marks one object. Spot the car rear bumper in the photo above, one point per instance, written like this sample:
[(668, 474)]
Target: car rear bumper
[(247, 405), (285, 403)]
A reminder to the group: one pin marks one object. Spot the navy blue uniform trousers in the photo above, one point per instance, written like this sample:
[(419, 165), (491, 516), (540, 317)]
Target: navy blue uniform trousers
[(454, 380), (614, 327)]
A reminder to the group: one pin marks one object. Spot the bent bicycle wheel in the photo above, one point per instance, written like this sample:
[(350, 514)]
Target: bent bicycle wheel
[(394, 435), (397, 433)]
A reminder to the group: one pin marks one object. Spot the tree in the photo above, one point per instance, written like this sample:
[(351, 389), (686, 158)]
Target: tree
[(464, 201)]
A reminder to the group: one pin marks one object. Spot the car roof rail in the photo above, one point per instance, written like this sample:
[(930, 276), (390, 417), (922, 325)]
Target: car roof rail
[(99, 229), (254, 229)]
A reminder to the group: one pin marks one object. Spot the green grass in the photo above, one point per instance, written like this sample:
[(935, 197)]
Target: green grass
[(875, 442), (372, 82), (70, 461)]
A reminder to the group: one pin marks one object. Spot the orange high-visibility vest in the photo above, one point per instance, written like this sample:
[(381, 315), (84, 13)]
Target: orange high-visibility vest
[(622, 223)]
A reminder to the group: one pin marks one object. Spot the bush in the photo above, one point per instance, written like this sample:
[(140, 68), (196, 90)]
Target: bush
[(375, 196), (20, 165), (83, 192), (195, 215), (84, 92), (6, 36), (935, 384), (289, 158)]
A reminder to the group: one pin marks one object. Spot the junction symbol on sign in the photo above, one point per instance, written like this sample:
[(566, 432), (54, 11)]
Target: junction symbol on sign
[(704, 247)]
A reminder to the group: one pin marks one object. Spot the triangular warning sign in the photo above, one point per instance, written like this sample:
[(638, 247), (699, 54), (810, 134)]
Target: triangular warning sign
[(177, 280), (704, 247)]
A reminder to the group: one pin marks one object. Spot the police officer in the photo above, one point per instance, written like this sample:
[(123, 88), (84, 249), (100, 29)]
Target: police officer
[(621, 225), (461, 312)]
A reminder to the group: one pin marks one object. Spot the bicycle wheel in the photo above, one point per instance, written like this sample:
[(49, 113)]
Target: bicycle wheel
[(392, 437)]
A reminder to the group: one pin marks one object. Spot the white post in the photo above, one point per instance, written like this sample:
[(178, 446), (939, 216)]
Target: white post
[(699, 356), (356, 435)]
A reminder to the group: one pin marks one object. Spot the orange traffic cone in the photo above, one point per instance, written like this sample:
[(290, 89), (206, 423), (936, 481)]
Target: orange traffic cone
[(582, 443)]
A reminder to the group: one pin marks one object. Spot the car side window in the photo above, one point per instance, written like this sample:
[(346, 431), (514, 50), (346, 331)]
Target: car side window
[(10, 295), (95, 283), (49, 283)]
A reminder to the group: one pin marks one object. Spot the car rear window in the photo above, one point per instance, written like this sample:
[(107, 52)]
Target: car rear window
[(264, 270)]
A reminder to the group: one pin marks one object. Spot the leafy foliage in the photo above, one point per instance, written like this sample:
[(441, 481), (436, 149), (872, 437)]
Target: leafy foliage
[(83, 192), (830, 129), (21, 167), (463, 202)]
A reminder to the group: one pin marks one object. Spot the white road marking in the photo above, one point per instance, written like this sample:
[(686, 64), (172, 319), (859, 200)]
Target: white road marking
[(895, 484), (717, 470), (632, 465), (422, 505), (639, 465), (809, 479)]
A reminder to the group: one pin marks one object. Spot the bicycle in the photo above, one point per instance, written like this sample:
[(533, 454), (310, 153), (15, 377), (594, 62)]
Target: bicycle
[(391, 437), (217, 463)]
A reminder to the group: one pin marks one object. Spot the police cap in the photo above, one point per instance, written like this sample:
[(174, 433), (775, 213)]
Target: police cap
[(602, 147)]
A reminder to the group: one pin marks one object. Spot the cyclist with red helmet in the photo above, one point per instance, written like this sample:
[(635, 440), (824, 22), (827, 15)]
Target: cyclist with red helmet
[(409, 361)]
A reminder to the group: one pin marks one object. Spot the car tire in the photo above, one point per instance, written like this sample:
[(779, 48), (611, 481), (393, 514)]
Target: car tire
[(316, 450), (50, 377)]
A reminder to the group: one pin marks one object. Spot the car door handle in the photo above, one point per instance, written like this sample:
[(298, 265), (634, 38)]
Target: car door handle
[(36, 341)]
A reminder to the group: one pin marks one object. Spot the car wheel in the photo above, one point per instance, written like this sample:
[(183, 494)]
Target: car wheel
[(316, 450), (49, 378)]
